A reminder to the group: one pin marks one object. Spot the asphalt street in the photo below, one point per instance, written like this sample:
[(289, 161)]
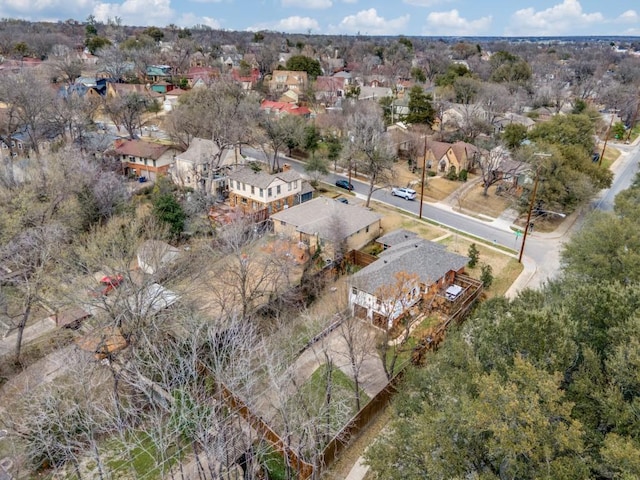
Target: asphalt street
[(542, 250)]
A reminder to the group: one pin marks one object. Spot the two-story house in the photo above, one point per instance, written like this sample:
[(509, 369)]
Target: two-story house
[(255, 190), (283, 80), (144, 159), (193, 167)]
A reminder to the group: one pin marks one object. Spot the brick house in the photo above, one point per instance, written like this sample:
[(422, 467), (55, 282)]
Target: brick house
[(144, 159)]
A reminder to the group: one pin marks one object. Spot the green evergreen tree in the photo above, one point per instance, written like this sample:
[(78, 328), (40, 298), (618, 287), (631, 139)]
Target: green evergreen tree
[(420, 107)]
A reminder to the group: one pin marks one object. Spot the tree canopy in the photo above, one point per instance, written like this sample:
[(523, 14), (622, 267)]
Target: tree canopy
[(420, 107), (302, 63), (541, 386)]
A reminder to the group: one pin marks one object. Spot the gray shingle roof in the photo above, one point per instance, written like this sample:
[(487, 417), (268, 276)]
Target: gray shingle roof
[(201, 150), (429, 260), (263, 179), (319, 216), (395, 237)]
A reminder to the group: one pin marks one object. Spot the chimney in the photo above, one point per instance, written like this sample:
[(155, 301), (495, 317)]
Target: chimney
[(286, 167)]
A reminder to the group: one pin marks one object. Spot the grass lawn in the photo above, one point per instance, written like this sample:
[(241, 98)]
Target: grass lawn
[(492, 205), (315, 388), (504, 267), (141, 461)]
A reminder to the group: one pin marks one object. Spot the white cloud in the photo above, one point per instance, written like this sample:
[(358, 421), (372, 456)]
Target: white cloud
[(368, 22), (350, 1), (426, 3), (191, 19), (289, 24), (630, 16), (137, 12), (451, 23), (35, 10), (563, 18), (307, 3)]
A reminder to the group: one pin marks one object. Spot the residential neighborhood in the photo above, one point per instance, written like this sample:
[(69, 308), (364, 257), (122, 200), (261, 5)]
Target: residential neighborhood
[(268, 255)]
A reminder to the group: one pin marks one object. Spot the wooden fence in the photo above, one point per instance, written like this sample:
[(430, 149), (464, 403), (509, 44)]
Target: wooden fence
[(361, 420)]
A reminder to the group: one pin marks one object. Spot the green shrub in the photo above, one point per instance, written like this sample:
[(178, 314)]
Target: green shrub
[(462, 176)]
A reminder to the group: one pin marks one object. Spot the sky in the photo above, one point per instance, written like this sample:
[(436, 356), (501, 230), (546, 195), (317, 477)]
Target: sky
[(352, 17)]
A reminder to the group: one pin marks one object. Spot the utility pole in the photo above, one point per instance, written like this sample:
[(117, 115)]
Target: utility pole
[(606, 138), (424, 168), (531, 204)]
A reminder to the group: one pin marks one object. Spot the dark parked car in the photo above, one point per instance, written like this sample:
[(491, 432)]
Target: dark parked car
[(343, 200), (344, 184)]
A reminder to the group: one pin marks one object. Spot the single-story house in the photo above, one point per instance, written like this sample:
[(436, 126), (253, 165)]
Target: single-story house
[(326, 223), (284, 108), (423, 267)]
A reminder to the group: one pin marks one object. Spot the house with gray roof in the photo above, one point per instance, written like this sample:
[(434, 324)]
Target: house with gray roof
[(325, 223), (404, 274), (193, 166), (254, 190)]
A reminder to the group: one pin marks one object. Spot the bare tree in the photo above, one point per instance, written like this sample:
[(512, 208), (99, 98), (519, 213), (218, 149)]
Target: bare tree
[(278, 133), (221, 112), (115, 62), (490, 164), (395, 300), (496, 101), (372, 145), (31, 102), (358, 343), (127, 111), (30, 255)]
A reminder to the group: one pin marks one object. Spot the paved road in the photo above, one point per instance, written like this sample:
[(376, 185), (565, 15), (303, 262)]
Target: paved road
[(542, 251)]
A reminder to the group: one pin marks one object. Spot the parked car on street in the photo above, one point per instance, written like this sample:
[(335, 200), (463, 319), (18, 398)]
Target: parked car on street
[(406, 193), (343, 200), (344, 184)]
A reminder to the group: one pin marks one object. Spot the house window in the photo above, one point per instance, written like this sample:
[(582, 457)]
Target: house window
[(367, 229), (237, 184), (244, 187), (253, 190), (354, 291), (269, 192), (289, 186), (261, 192), (13, 144), (295, 184), (244, 201), (132, 159), (283, 224), (278, 190), (20, 146)]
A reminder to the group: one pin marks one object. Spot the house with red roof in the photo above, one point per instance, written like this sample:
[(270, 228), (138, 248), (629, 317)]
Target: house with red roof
[(201, 76), (249, 81), (284, 108)]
